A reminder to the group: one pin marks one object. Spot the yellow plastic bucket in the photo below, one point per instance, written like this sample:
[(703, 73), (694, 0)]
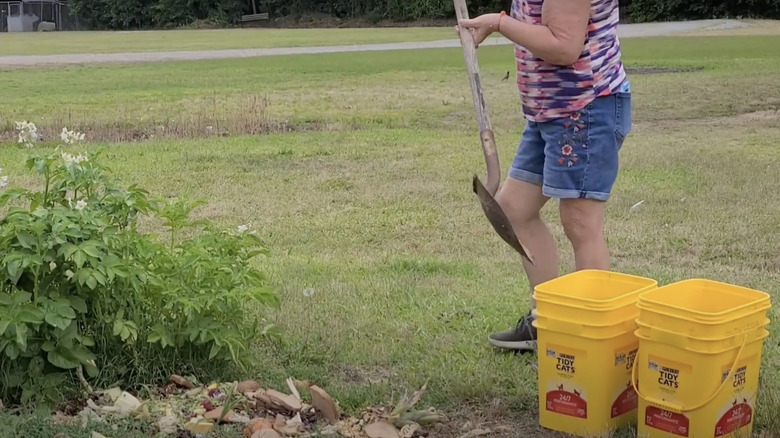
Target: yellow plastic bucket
[(591, 331), (700, 349), (704, 308), (700, 394), (585, 384), (592, 297), (599, 290), (586, 346), (702, 345), (585, 313)]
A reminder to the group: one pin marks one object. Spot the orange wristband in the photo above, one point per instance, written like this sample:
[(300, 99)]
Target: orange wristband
[(500, 16)]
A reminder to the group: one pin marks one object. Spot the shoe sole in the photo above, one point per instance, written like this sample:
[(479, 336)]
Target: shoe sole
[(514, 345)]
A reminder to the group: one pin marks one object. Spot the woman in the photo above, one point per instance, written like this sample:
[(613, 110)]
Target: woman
[(576, 99)]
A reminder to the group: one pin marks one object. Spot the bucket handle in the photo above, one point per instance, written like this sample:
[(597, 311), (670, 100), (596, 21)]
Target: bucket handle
[(679, 409)]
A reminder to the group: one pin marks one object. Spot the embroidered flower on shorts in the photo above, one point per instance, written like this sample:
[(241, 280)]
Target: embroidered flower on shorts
[(568, 156)]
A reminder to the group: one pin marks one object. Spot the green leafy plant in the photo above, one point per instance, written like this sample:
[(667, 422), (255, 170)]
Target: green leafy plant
[(82, 288)]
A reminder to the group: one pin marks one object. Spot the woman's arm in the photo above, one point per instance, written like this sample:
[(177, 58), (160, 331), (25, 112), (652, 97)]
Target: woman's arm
[(559, 40)]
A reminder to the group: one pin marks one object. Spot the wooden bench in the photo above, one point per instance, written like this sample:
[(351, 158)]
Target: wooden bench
[(254, 17)]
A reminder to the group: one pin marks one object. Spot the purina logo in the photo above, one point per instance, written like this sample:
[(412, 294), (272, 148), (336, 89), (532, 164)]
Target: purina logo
[(550, 352), (620, 358), (653, 365)]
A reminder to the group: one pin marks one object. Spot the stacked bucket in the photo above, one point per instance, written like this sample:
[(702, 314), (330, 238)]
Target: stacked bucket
[(680, 360), (700, 348), (586, 347)]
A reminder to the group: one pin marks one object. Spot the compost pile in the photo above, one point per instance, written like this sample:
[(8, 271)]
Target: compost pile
[(184, 408)]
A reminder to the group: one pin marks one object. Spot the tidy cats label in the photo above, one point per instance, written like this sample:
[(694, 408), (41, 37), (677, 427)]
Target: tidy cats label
[(565, 402), (626, 402), (676, 424), (559, 399), (739, 416)]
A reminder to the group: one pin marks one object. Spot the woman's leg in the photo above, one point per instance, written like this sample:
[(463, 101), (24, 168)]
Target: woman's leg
[(521, 199), (583, 223), (581, 169), (523, 202), (579, 166)]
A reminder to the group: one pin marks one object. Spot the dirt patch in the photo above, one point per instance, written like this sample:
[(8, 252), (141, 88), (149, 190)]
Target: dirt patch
[(750, 27), (224, 118), (498, 418), (120, 132), (755, 118), (772, 116), (71, 407), (761, 118), (362, 376), (649, 70)]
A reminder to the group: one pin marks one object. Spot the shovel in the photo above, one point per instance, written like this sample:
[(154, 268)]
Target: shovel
[(492, 210)]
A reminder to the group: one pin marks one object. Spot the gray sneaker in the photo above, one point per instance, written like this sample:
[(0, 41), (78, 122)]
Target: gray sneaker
[(521, 337)]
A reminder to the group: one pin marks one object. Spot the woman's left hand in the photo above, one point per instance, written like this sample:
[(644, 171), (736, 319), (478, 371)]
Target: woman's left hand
[(480, 27)]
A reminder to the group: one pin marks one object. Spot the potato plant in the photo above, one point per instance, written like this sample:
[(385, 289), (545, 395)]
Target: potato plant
[(81, 286)]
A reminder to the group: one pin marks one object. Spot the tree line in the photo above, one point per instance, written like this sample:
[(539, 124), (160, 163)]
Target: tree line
[(136, 14)]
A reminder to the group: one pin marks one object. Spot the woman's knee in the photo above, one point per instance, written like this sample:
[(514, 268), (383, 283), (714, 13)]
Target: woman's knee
[(521, 201), (582, 219)]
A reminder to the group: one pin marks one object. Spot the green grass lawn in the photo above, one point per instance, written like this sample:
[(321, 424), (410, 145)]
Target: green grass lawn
[(51, 43), (361, 187)]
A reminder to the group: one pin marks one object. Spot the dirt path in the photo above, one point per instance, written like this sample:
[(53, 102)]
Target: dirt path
[(625, 31)]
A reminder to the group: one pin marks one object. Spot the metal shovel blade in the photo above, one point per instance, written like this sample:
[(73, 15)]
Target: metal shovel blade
[(492, 210), (498, 218)]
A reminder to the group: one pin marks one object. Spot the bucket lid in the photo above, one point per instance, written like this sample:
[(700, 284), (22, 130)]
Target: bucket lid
[(704, 300), (595, 287), (758, 335), (585, 331), (629, 303), (645, 327), (596, 323)]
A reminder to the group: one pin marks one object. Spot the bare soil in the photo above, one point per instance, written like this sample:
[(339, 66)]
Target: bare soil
[(659, 70), (497, 418)]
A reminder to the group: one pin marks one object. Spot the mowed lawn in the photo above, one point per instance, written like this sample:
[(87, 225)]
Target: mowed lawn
[(57, 43), (357, 175)]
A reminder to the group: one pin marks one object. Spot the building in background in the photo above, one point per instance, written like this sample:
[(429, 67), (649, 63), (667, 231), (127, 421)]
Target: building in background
[(36, 15)]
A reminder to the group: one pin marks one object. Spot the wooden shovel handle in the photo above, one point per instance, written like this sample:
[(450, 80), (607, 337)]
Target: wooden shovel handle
[(487, 138)]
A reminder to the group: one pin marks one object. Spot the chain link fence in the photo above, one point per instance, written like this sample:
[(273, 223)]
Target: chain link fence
[(27, 15)]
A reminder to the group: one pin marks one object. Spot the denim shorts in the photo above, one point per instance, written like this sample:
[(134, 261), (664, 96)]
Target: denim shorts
[(576, 156)]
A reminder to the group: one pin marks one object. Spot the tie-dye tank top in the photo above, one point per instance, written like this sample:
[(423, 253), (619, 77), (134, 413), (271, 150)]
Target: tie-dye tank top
[(549, 91)]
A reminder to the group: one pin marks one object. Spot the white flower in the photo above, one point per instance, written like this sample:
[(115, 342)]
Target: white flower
[(308, 293), (71, 137), (69, 274), (81, 204), (70, 159), (3, 182), (28, 133), (242, 228), (52, 266)]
